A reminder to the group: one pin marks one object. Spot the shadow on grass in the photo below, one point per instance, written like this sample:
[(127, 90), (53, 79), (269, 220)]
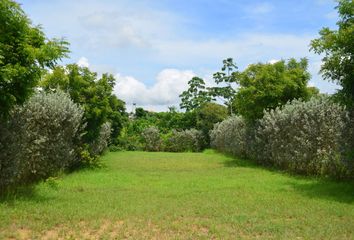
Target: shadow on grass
[(312, 187), (233, 161), (238, 162), (29, 193), (325, 189), (23, 194)]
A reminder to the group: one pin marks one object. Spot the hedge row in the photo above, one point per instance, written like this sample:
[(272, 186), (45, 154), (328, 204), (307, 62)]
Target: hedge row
[(312, 138)]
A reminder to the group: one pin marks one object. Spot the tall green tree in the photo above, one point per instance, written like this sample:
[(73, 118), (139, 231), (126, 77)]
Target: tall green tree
[(117, 116), (24, 53), (338, 49), (94, 94), (141, 113), (195, 96), (207, 115), (225, 77), (267, 86)]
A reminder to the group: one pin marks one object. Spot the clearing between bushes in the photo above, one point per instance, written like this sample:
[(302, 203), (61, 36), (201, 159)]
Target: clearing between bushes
[(140, 195)]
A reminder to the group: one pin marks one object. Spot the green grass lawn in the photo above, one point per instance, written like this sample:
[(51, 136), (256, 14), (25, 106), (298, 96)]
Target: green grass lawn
[(139, 195)]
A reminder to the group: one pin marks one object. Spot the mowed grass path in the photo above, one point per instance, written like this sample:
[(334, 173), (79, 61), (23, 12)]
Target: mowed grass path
[(139, 195)]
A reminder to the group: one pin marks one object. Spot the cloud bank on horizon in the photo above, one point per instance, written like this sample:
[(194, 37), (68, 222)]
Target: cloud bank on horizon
[(155, 47)]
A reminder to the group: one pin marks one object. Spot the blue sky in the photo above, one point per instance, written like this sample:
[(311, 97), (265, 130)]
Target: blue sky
[(154, 47)]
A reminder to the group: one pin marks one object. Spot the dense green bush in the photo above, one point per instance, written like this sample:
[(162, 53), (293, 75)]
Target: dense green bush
[(129, 143), (39, 139), (165, 121), (184, 141), (151, 139), (130, 137), (207, 115), (305, 137)]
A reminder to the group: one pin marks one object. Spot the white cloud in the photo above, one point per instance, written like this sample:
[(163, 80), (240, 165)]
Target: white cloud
[(272, 61), (119, 25), (130, 89), (106, 25), (169, 84), (83, 62), (112, 29), (248, 48), (311, 84)]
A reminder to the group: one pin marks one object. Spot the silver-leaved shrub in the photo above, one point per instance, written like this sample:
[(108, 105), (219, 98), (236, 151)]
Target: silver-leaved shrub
[(229, 136), (151, 139), (305, 137), (310, 137), (39, 138), (103, 140), (190, 140)]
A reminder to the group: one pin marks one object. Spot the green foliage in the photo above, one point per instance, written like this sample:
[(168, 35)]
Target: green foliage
[(195, 96), (141, 113), (116, 148), (86, 159), (174, 127), (129, 138), (24, 53), (166, 122), (129, 142), (207, 115), (93, 94), (225, 77), (117, 117), (188, 120), (267, 86), (41, 138), (136, 126), (338, 49)]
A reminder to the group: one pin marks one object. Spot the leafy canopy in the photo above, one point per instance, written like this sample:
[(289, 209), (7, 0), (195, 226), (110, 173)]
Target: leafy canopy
[(338, 49), (93, 94), (195, 96), (267, 86), (207, 115), (24, 53), (225, 78)]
